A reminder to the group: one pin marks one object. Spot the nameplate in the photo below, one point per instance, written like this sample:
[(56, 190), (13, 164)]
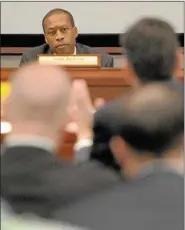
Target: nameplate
[(80, 60)]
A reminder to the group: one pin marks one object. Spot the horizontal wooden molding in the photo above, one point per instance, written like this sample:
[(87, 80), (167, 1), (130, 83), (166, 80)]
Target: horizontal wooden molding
[(20, 50), (101, 77)]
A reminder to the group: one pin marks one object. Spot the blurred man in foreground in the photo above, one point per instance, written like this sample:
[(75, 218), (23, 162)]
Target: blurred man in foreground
[(60, 35), (152, 54), (32, 178), (149, 147)]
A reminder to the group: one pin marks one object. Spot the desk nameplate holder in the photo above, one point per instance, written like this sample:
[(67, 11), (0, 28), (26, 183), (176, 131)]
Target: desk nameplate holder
[(73, 61)]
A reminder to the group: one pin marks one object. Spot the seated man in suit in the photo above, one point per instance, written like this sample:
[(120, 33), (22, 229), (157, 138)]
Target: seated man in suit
[(60, 35), (32, 178), (148, 144), (152, 52)]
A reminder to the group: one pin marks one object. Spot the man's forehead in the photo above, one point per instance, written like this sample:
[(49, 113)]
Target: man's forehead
[(57, 19)]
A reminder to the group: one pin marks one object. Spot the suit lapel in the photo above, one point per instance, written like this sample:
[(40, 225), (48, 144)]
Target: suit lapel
[(79, 49), (49, 51)]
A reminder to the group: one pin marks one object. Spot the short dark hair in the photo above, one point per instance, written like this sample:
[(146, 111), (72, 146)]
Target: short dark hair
[(151, 118), (150, 45), (56, 11)]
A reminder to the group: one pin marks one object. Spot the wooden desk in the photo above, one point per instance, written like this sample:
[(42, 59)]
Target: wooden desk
[(106, 83)]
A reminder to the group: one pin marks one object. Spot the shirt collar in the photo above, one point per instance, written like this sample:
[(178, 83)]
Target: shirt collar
[(158, 166), (29, 141), (74, 53)]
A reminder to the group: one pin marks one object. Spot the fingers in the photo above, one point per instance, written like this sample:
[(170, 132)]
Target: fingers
[(2, 108), (99, 102), (81, 93)]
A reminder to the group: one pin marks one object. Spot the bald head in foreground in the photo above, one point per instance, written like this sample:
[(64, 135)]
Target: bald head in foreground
[(149, 146), (33, 180), (39, 100)]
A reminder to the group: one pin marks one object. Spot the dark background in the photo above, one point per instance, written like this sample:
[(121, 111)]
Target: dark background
[(94, 40)]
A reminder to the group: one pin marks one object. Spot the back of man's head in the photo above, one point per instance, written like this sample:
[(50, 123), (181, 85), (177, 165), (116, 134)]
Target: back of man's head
[(151, 119), (150, 46), (39, 98)]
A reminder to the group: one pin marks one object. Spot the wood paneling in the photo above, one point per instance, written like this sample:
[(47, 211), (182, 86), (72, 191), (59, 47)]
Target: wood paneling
[(20, 50)]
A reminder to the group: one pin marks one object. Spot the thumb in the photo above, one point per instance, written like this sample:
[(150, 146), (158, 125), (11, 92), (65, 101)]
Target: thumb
[(99, 102)]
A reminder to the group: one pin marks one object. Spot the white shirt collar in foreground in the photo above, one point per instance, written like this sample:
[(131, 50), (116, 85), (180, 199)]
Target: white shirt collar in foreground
[(29, 141)]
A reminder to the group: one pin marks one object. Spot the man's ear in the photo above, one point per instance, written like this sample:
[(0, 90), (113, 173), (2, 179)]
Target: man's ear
[(76, 31), (179, 60), (119, 148), (46, 40)]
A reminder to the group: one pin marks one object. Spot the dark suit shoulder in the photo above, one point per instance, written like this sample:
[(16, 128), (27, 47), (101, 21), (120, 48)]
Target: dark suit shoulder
[(31, 54), (103, 130), (33, 172), (107, 113), (107, 60), (90, 49), (154, 202)]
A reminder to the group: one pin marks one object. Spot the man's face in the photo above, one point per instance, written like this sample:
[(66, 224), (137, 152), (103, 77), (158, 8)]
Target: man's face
[(60, 34)]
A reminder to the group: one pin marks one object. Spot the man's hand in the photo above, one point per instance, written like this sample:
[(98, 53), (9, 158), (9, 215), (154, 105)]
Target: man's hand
[(82, 110), (2, 109), (98, 102)]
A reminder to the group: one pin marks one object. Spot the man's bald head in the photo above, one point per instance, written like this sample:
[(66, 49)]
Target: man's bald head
[(151, 118), (40, 94)]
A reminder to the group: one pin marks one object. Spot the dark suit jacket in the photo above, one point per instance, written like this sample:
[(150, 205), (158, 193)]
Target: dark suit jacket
[(105, 126), (103, 129), (155, 202), (31, 55), (34, 180)]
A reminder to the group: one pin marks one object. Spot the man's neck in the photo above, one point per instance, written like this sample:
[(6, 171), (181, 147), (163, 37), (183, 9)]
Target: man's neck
[(140, 168), (176, 163), (72, 53)]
